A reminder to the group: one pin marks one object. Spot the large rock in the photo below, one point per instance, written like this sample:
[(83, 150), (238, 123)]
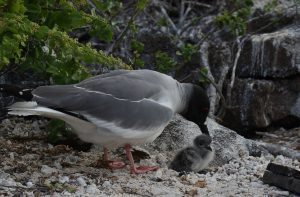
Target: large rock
[(227, 144), (273, 55), (267, 85), (262, 103)]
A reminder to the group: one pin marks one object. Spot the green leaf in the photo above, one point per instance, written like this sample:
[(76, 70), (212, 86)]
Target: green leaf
[(33, 8), (102, 30), (141, 4), (42, 32)]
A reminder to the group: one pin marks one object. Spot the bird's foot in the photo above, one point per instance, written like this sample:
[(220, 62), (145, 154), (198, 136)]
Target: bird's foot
[(114, 165), (143, 169)]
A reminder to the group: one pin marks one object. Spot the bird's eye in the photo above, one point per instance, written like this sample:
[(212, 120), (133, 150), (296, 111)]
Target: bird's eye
[(205, 109)]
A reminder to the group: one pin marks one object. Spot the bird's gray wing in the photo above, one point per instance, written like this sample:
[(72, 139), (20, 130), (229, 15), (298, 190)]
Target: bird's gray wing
[(132, 85), (98, 107)]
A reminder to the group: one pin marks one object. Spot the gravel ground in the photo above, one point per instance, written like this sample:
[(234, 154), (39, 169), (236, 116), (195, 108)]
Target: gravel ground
[(288, 138), (29, 166)]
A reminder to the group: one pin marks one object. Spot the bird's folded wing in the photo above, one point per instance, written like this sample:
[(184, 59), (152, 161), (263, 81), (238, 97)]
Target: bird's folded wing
[(131, 85), (98, 106)]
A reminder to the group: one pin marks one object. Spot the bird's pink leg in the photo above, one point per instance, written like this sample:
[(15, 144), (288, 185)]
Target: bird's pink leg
[(140, 169), (112, 164)]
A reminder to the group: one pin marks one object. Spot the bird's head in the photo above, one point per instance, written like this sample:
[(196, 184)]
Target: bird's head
[(197, 108), (203, 141)]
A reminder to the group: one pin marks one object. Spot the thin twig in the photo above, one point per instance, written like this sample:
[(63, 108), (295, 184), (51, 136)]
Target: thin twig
[(116, 43), (237, 56), (164, 12), (182, 8), (183, 18), (297, 15), (223, 100), (94, 6), (199, 4)]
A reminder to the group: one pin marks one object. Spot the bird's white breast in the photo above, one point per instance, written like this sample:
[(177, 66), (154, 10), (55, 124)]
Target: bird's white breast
[(202, 163)]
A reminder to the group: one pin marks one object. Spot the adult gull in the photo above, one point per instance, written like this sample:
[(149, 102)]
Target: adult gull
[(120, 108)]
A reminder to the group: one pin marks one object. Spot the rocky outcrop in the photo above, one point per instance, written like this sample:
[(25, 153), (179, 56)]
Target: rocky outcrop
[(262, 103), (267, 85), (273, 55), (227, 144)]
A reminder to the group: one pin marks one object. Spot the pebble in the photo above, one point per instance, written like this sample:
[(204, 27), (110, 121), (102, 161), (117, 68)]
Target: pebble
[(4, 175), (48, 170), (71, 159), (92, 189), (66, 193), (63, 179), (256, 184), (7, 182), (29, 184), (12, 156), (81, 181), (158, 174), (58, 165), (279, 193), (106, 184)]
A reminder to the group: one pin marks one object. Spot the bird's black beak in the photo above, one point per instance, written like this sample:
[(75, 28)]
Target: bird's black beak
[(204, 129), (208, 148)]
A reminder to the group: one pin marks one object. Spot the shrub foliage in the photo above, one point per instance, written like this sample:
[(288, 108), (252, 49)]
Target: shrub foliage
[(34, 36)]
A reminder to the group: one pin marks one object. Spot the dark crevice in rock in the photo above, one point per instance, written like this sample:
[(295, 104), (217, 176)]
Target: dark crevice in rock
[(271, 78), (288, 122)]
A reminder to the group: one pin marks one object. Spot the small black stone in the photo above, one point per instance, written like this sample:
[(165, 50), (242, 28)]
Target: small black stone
[(282, 177)]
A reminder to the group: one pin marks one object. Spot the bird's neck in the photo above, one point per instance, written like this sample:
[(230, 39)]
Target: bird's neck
[(196, 105), (185, 91)]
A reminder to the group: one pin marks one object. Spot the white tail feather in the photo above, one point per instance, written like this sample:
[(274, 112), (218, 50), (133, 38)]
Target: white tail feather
[(30, 104), (32, 108), (81, 127)]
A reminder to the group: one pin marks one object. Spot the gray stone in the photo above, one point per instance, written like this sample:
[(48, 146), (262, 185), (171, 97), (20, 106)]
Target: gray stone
[(284, 182), (48, 170), (272, 55), (261, 103), (227, 144), (283, 170), (266, 91)]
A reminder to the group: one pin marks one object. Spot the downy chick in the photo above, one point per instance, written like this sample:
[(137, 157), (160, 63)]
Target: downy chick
[(194, 158)]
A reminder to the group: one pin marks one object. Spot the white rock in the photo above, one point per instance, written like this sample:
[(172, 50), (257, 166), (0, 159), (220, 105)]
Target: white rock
[(63, 179), (48, 170), (36, 127), (279, 159), (12, 156), (81, 181), (71, 159), (66, 193), (29, 184), (279, 193), (92, 189), (106, 184), (58, 165), (8, 182), (158, 174), (4, 175), (256, 185), (8, 142), (158, 191)]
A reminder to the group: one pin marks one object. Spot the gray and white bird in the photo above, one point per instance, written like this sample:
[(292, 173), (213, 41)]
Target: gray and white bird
[(120, 108), (194, 158)]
